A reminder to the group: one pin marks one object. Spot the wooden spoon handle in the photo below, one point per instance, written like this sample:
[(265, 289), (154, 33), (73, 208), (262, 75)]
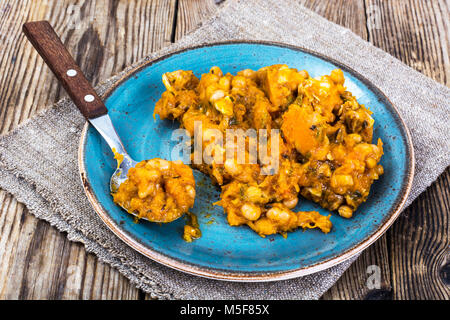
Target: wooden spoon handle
[(52, 50)]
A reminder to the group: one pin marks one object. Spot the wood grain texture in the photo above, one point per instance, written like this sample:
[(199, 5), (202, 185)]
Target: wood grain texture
[(192, 13), (49, 46), (347, 13), (419, 242), (38, 262)]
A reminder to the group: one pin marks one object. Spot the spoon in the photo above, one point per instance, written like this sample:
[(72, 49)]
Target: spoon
[(52, 50)]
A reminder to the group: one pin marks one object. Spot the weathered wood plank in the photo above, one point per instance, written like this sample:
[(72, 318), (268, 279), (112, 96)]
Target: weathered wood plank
[(417, 33), (419, 242), (347, 13), (356, 283), (37, 261), (191, 13)]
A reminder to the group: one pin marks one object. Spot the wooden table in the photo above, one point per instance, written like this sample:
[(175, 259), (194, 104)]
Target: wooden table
[(39, 262)]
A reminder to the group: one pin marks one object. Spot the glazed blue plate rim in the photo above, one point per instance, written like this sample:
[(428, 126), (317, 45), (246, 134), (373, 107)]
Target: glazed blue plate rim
[(220, 274)]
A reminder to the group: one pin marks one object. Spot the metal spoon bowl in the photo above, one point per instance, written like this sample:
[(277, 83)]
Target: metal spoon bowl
[(104, 126)]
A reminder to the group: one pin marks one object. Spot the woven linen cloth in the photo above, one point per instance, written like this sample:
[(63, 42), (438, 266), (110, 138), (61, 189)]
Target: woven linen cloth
[(38, 160)]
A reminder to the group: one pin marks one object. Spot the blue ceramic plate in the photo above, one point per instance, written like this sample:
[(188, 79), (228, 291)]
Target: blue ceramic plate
[(237, 253)]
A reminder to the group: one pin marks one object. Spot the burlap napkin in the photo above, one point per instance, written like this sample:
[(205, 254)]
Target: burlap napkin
[(38, 161)]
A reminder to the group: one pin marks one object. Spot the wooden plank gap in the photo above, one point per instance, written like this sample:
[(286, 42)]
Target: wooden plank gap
[(174, 23)]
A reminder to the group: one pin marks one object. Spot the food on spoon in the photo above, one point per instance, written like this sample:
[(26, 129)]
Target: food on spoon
[(325, 142), (158, 190)]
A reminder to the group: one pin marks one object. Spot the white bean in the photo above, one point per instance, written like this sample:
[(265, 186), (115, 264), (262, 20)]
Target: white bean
[(251, 212), (190, 191), (218, 94), (231, 167), (345, 211), (291, 203), (277, 214)]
